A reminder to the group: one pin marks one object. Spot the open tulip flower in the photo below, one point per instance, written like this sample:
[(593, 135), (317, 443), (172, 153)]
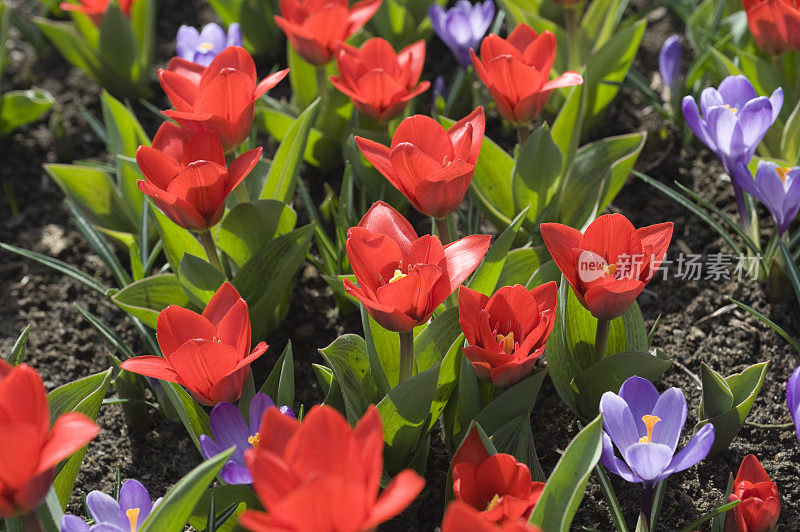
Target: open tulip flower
[(497, 485), (203, 46), (219, 98), (777, 187), (208, 354), (402, 278), (462, 26), (775, 24), (460, 517), (431, 166), (95, 9), (645, 427), (230, 430), (759, 506), (317, 27), (326, 461), (186, 177), (508, 331), (516, 70), (378, 80), (30, 448), (609, 264), (126, 515)]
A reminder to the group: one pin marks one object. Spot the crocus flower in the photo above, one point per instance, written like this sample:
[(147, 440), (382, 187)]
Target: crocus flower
[(463, 26), (609, 264), (230, 430), (516, 71), (186, 177), (793, 399), (734, 121), (219, 98), (402, 278), (30, 448), (378, 80), (460, 516), (430, 165), (775, 24), (777, 187), (645, 427), (208, 354), (669, 62), (95, 9), (497, 485), (203, 46), (127, 515), (316, 27), (759, 505), (508, 331), (325, 461)]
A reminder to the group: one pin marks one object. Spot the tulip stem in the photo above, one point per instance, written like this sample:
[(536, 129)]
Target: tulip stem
[(443, 230), (572, 25), (406, 355), (522, 135), (322, 84), (211, 249), (601, 339)]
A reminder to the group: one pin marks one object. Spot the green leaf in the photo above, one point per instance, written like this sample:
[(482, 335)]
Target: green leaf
[(433, 342), (177, 241), (320, 151), (537, 174), (347, 357), (199, 279), (99, 245), (383, 350), (566, 132), (60, 266), (775, 327), (447, 380), (516, 400), (302, 78), (790, 140), (17, 354), (563, 492), (248, 226), (174, 511), (519, 263), (224, 497), (486, 277), (282, 176), (117, 43), (194, 418), (146, 298), (279, 385), (516, 438), (143, 23), (21, 107), (717, 396)]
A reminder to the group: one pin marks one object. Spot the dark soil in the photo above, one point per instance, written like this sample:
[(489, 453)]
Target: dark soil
[(64, 347)]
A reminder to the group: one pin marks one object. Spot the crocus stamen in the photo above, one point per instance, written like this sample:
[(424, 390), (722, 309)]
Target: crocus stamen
[(506, 342), (397, 276), (783, 171), (649, 422), (133, 517), (254, 440), (732, 109), (494, 502)]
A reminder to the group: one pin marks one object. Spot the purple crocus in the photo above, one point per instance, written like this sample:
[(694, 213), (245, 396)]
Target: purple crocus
[(230, 429), (645, 427), (734, 121), (126, 515), (463, 26), (203, 46), (669, 62), (777, 187), (793, 399)]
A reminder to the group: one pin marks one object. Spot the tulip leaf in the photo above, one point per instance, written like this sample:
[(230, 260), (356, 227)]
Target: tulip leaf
[(487, 275), (177, 241), (282, 176), (224, 497), (433, 342), (302, 78), (143, 24), (469, 397), (790, 140), (600, 22), (199, 279), (117, 43), (50, 513), (279, 385), (85, 396), (516, 438), (320, 151), (146, 298), (248, 226), (99, 245), (717, 395), (566, 131), (447, 380), (347, 357), (537, 174), (519, 263), (383, 348), (564, 490), (21, 107), (175, 510)]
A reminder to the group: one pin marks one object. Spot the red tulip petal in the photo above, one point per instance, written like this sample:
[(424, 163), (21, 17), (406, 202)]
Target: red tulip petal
[(443, 192), (241, 168), (233, 58), (177, 325), (541, 53), (227, 95), (400, 493), (20, 445), (413, 295), (752, 471), (270, 81), (276, 430), (305, 44), (378, 155), (187, 69), (5, 369), (151, 366), (472, 451), (171, 139), (383, 219), (464, 485), (655, 242), (234, 328), (204, 146), (522, 36), (567, 79), (612, 299), (368, 432), (321, 444), (181, 91), (411, 60), (462, 257), (377, 90), (177, 209), (360, 13), (23, 400), (427, 135), (460, 134), (412, 165), (258, 350), (221, 303), (560, 241), (202, 185), (502, 474), (513, 79), (157, 167), (202, 363), (493, 46), (470, 303), (373, 257), (376, 54), (513, 372), (273, 479), (70, 432)]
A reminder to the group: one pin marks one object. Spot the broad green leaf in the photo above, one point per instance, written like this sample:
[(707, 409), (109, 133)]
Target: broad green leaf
[(50, 513), (279, 385), (516, 438), (537, 174), (790, 141), (117, 43), (717, 395), (566, 131), (447, 380), (486, 277), (199, 279), (600, 22), (143, 23), (347, 357), (469, 397), (260, 33), (98, 245), (60, 266), (564, 490), (177, 241), (320, 151), (174, 511), (516, 400), (228, 10), (302, 78), (21, 107), (520, 264), (383, 350), (146, 298), (248, 226), (433, 342)]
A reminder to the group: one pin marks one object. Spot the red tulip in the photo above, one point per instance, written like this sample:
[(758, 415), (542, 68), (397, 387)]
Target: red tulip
[(775, 24), (186, 175), (516, 72), (379, 81), (208, 354), (497, 485), (219, 98), (29, 448), (461, 517), (316, 27), (320, 475), (431, 166), (95, 9), (608, 265), (402, 278), (760, 504), (507, 332)]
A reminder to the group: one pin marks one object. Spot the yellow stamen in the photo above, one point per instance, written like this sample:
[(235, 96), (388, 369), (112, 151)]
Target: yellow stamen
[(206, 46), (133, 516), (733, 109), (649, 422), (254, 440), (783, 171), (506, 342), (397, 276), (494, 502), (611, 269)]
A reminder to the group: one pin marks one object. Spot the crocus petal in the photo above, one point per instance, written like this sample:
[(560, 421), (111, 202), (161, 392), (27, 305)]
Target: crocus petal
[(692, 116), (618, 421), (641, 397), (777, 102), (614, 464), (736, 90), (258, 405), (102, 507), (229, 428), (648, 460), (132, 495), (73, 523), (233, 473), (671, 409), (694, 451)]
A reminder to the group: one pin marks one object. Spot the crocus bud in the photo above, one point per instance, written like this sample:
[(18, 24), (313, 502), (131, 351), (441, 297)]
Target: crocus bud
[(669, 62), (759, 505), (463, 26), (203, 46), (775, 24)]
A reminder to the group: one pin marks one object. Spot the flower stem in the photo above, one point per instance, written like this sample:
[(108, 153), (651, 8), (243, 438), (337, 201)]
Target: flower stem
[(572, 25), (211, 249), (601, 339), (443, 230), (322, 84), (522, 135), (31, 522), (647, 505), (406, 355)]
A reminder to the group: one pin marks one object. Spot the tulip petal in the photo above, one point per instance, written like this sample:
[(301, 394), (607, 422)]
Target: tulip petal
[(443, 191), (276, 430), (151, 366), (612, 299), (752, 471), (655, 241), (369, 433), (373, 257), (360, 13), (156, 166), (275, 478), (177, 325), (270, 81), (413, 295), (383, 219), (241, 168), (567, 79), (23, 400), (411, 60), (560, 241), (18, 456), (232, 58), (470, 303), (427, 135), (70, 432), (400, 492), (460, 133), (177, 209), (461, 259), (321, 444)]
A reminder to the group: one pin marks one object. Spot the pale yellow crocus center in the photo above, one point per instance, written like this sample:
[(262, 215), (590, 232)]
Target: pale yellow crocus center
[(494, 502), (397, 276), (783, 171), (254, 440), (733, 110), (649, 422), (205, 47), (133, 517), (506, 342)]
